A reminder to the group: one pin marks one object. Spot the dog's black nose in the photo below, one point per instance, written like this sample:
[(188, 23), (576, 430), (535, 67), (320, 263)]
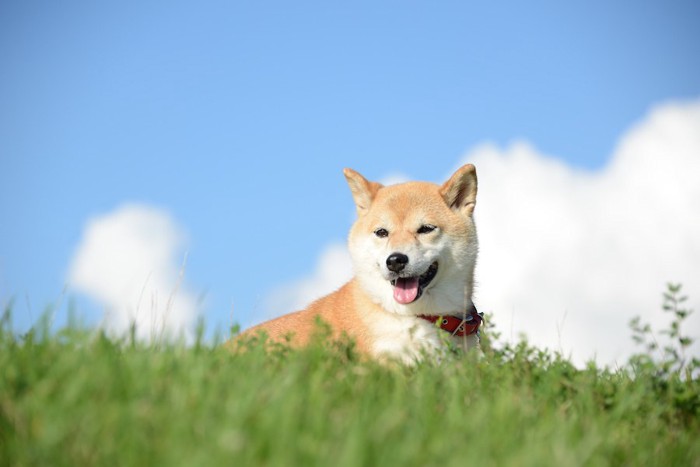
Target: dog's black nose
[(396, 262)]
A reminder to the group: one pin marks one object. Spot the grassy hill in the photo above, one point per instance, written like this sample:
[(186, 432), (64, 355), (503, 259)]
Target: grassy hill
[(79, 397)]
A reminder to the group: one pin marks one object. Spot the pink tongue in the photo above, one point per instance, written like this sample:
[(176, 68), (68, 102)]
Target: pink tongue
[(406, 290)]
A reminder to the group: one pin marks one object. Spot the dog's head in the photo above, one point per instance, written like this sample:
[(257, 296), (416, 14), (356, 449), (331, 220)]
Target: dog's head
[(414, 245)]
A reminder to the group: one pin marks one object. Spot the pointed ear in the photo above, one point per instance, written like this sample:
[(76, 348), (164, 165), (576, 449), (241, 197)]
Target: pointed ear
[(363, 191), (459, 191)]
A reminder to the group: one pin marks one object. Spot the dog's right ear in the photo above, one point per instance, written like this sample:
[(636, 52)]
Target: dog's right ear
[(363, 191)]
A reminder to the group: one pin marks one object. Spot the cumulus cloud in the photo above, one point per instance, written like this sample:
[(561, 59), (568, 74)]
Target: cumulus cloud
[(569, 256), (130, 261)]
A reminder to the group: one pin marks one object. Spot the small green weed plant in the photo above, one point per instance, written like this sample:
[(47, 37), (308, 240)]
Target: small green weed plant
[(670, 359)]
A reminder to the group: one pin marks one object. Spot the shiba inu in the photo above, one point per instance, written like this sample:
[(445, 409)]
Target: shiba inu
[(413, 249)]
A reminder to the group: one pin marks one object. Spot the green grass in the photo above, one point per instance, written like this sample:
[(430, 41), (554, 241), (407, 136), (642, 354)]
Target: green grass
[(78, 397)]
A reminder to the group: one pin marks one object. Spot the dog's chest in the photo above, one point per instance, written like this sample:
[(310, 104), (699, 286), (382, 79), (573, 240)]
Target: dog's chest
[(408, 339)]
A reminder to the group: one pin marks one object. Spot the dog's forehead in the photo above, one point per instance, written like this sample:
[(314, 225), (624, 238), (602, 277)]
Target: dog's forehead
[(407, 202)]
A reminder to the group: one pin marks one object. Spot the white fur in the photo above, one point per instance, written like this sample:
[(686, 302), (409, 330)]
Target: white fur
[(408, 339), (399, 333)]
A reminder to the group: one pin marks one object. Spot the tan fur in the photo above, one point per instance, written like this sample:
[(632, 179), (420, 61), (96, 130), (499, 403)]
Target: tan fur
[(339, 310), (363, 309)]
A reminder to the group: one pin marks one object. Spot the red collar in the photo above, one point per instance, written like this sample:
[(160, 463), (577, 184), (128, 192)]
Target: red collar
[(458, 326)]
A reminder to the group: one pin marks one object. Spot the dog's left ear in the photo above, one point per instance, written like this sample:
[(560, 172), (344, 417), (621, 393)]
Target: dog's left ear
[(363, 191), (459, 191)]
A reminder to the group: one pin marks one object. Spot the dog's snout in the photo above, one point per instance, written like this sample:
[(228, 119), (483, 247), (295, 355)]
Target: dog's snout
[(396, 262)]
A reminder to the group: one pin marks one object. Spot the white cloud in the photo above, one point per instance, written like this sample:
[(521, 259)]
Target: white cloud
[(130, 262), (568, 256), (394, 179)]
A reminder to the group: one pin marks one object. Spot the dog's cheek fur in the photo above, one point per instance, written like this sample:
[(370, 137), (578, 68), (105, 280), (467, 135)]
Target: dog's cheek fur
[(367, 266), (449, 292)]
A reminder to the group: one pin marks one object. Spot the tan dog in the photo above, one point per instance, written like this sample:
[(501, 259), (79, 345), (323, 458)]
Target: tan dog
[(413, 249)]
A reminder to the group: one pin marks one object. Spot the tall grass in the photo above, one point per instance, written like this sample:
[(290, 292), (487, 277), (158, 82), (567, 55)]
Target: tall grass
[(79, 397)]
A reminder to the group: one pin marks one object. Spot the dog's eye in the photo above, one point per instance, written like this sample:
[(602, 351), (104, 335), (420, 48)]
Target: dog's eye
[(381, 233), (426, 228)]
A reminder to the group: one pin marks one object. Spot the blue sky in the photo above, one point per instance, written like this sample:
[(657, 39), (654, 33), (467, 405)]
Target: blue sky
[(237, 118)]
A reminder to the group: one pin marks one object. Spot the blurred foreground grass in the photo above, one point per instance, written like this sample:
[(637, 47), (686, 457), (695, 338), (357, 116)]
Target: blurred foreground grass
[(79, 397)]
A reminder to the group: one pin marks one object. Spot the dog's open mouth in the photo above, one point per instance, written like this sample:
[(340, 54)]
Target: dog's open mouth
[(409, 289)]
